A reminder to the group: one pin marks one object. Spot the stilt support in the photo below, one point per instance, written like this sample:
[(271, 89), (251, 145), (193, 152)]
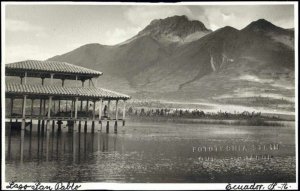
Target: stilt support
[(116, 126), (107, 127)]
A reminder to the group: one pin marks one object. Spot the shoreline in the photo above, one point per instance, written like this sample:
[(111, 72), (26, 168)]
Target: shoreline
[(236, 122)]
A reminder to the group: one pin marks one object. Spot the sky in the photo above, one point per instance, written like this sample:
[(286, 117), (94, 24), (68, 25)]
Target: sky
[(43, 31)]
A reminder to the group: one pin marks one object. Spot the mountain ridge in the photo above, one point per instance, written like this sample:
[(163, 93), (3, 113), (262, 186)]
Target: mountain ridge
[(148, 62)]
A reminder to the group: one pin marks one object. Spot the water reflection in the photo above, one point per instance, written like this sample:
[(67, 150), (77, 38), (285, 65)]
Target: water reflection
[(51, 145), (150, 153)]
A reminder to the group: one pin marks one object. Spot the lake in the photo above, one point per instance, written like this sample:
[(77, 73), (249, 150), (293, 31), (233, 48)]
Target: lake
[(154, 153)]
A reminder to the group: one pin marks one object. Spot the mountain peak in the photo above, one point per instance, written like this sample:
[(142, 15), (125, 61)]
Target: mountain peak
[(175, 28), (261, 25)]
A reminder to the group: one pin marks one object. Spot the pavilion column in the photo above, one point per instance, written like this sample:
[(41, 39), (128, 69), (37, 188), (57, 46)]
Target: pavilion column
[(76, 103), (94, 116), (81, 105), (42, 107), (75, 114), (117, 109), (100, 114), (40, 113), (116, 122), (51, 78), (72, 104), (11, 108), (23, 112), (54, 112), (32, 102), (66, 105), (87, 109), (49, 113), (51, 82), (25, 78), (75, 128), (44, 112), (62, 84), (108, 109), (124, 111)]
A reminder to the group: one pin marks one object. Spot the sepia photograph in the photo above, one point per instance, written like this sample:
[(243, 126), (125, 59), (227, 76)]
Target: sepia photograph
[(161, 96)]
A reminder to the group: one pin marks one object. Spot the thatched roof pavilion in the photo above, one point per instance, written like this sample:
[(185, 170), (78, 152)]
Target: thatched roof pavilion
[(52, 93)]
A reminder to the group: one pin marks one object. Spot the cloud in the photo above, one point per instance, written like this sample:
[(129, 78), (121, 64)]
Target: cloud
[(142, 15), (21, 26), (240, 16), (25, 52)]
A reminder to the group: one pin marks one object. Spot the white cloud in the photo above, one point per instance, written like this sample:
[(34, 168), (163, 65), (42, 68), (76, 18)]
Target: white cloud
[(240, 16), (142, 15), (21, 26), (25, 52)]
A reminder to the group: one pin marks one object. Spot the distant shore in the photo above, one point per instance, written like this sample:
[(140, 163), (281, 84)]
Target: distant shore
[(242, 122)]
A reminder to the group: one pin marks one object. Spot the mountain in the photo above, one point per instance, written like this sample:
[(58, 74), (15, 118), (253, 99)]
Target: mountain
[(175, 29), (177, 58)]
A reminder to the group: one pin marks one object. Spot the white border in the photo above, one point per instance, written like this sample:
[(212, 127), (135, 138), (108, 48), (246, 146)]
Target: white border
[(148, 186)]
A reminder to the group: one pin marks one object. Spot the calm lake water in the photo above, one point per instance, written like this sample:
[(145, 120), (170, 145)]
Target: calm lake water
[(156, 153)]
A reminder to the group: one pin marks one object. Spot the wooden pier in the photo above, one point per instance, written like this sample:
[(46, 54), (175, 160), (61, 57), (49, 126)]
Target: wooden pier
[(61, 103)]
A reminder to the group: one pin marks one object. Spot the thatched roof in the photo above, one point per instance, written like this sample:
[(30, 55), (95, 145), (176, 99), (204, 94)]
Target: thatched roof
[(61, 70)]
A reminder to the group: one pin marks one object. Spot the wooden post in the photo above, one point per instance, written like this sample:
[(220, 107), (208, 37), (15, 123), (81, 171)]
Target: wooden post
[(94, 108), (81, 106), (40, 113), (76, 78), (76, 100), (32, 102), (62, 84), (107, 127), (87, 109), (75, 115), (23, 113), (49, 107), (116, 122), (44, 107), (24, 107), (11, 109), (117, 109), (21, 80), (25, 78), (100, 109), (124, 111), (54, 105), (49, 113), (94, 114), (108, 109), (72, 108), (44, 112), (51, 78), (54, 111)]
